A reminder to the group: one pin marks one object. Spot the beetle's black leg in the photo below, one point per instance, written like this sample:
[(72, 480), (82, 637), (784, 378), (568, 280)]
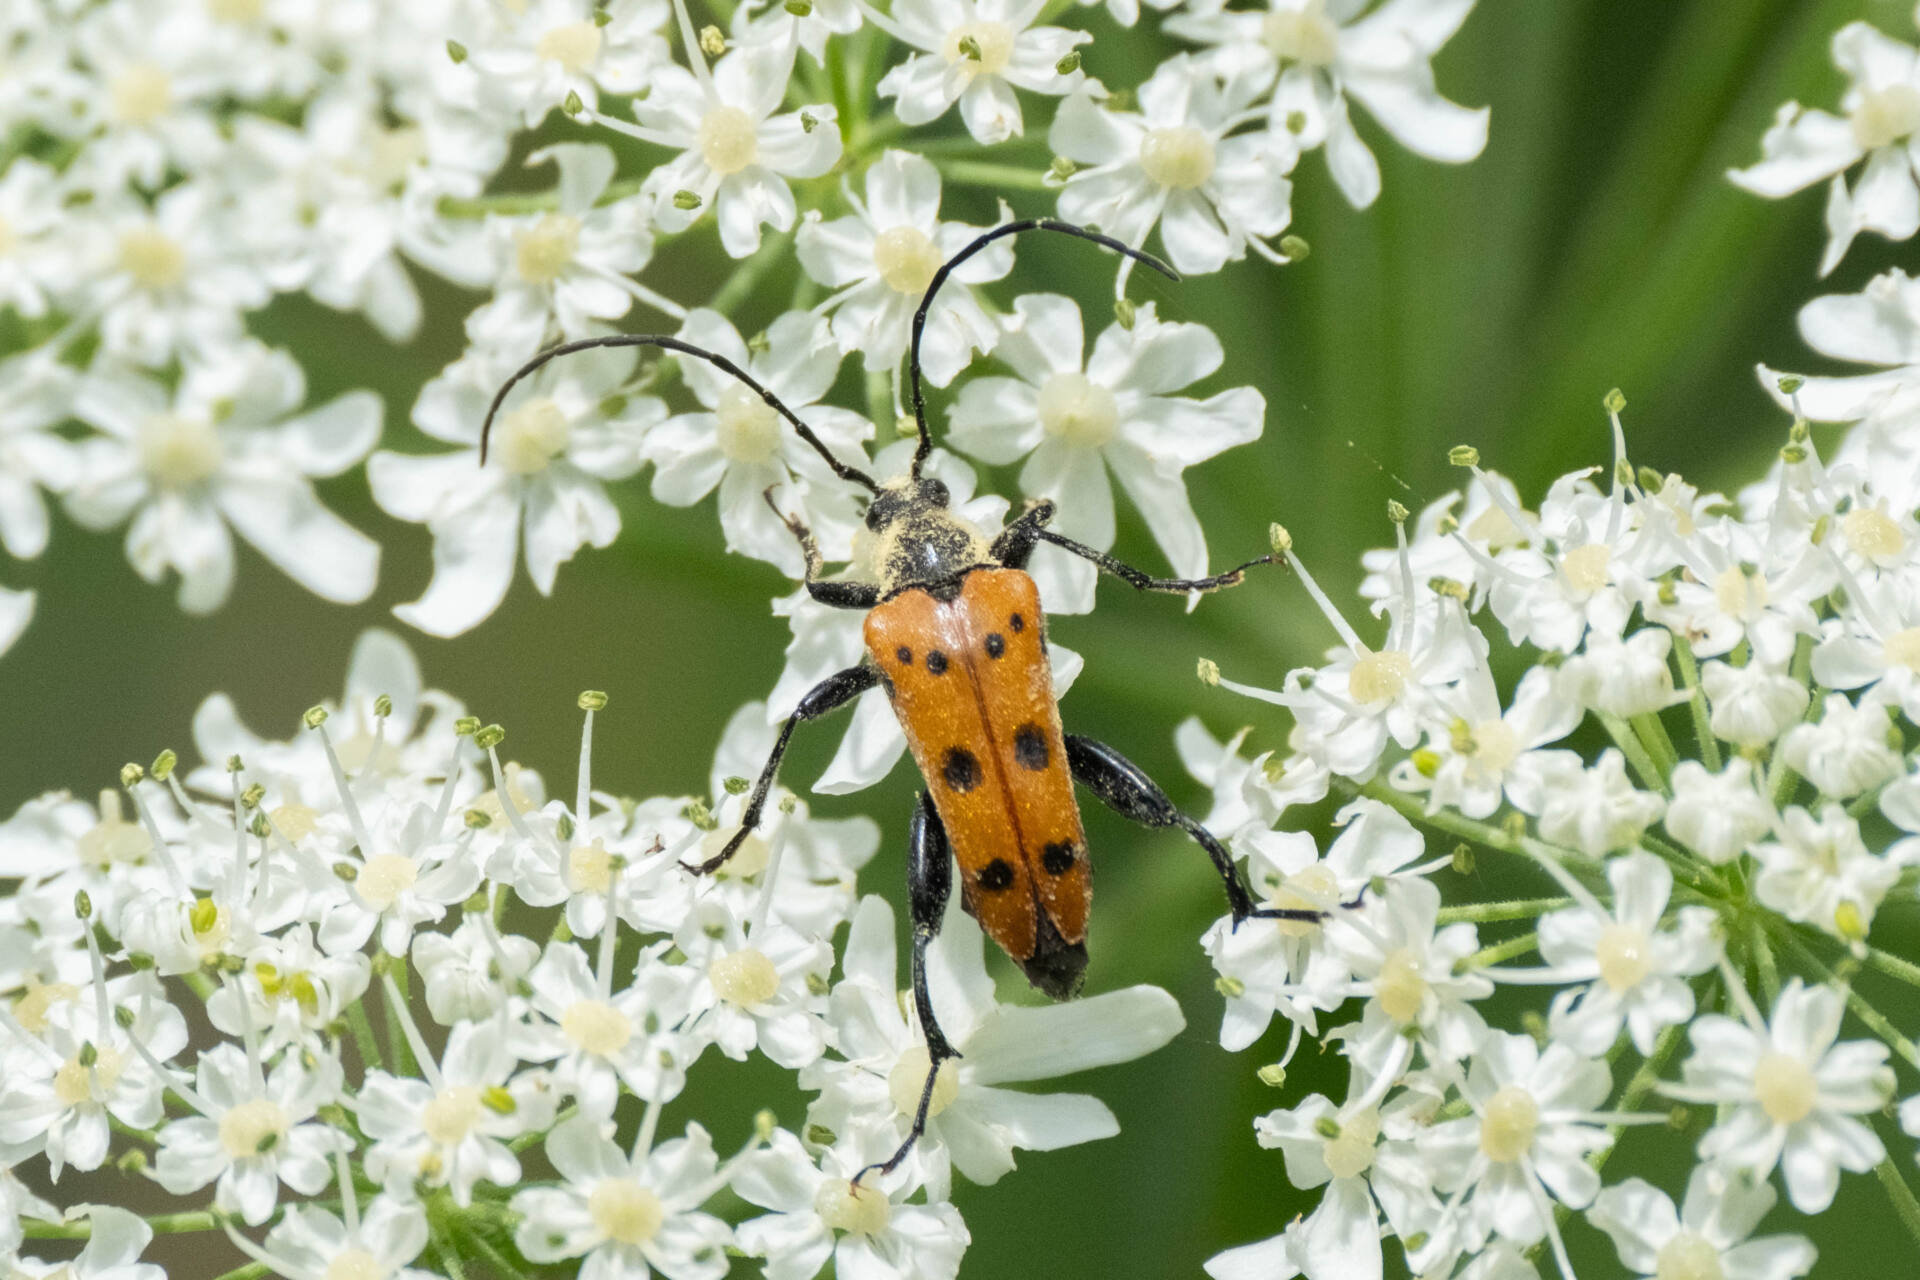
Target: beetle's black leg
[(835, 595), (836, 691), (929, 881), (1138, 579), (1123, 788), (1015, 544)]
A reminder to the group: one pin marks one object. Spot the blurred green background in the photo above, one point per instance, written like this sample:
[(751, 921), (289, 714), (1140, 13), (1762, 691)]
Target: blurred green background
[(1595, 244)]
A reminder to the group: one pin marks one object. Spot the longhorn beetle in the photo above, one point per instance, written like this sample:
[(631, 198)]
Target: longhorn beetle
[(955, 635)]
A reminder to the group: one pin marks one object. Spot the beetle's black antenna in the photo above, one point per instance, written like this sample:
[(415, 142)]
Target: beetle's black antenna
[(925, 446), (714, 358)]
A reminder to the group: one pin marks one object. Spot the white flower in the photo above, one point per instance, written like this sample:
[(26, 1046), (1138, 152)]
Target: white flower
[(16, 611), (229, 447), (735, 154), (1172, 163), (254, 1132), (1635, 971), (1708, 1235), (626, 1216), (553, 448), (1718, 815), (34, 261), (764, 989), (468, 973), (976, 53), (880, 259), (149, 90), (115, 1240), (1754, 704), (1079, 416), (740, 445), (1882, 106), (387, 1235), (547, 50), (1819, 871), (1486, 753), (604, 1038), (868, 1100), (1789, 1095), (1413, 979), (1324, 51), (1595, 810), (819, 1214), (1626, 677), (1845, 752)]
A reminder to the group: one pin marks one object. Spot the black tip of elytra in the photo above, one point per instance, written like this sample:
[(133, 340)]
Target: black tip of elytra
[(1057, 968)]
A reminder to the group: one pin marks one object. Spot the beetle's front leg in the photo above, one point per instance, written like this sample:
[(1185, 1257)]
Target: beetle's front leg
[(1140, 579), (836, 691), (1129, 792), (929, 883), (835, 595)]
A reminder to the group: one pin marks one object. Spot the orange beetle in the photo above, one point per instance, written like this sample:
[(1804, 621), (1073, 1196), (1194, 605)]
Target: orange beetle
[(956, 636)]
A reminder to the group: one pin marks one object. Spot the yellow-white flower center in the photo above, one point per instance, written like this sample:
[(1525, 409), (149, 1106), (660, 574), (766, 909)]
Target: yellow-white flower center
[(626, 1211), (452, 1114), (1495, 745), (154, 259), (1312, 888), (749, 860), (1400, 986), (1586, 569), (1872, 533), (178, 451), (140, 94), (31, 1009), (1078, 410), (1351, 1154), (1785, 1088), (574, 46), (1624, 955), (385, 877), (544, 250), (980, 48), (238, 11), (596, 1027), (1507, 1124), (909, 1077), (73, 1085), (1495, 528), (112, 839), (1886, 116), (1688, 1257), (391, 154), (1379, 677), (749, 428), (728, 140), (1902, 649), (294, 821), (860, 1211), (253, 1128), (532, 436), (744, 977), (1739, 593), (590, 868), (906, 259), (1180, 158), (355, 1264), (9, 241), (1303, 35)]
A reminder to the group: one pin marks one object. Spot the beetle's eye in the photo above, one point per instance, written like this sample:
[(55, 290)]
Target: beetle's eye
[(935, 491)]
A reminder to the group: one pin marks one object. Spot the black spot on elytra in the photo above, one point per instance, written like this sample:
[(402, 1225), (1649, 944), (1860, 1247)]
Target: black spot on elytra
[(996, 875), (905, 655), (936, 661), (960, 769), (996, 645), (1018, 623), (1057, 858), (1030, 746)]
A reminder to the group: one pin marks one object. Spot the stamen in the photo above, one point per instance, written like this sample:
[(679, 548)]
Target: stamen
[(610, 932), (411, 1030), (1742, 999), (1544, 1208), (583, 791), (317, 719), (649, 1125), (696, 58), (1346, 632), (349, 1201), (769, 876), (249, 1037), (445, 806), (160, 850)]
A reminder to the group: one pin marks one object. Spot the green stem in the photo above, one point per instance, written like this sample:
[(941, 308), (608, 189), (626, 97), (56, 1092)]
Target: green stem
[(1863, 1009), (1644, 1081), (162, 1224), (199, 983), (1763, 961), (363, 1037), (506, 1269), (1781, 779), (1653, 735), (1411, 808), (252, 1271), (526, 1140), (1500, 951), (448, 1255), (997, 177), (1634, 750), (1901, 1194), (1491, 912), (1893, 966), (1696, 701)]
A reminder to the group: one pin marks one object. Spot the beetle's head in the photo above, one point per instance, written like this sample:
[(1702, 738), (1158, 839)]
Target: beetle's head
[(906, 496)]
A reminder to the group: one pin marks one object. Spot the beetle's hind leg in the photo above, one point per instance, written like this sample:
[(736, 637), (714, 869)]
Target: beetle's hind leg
[(929, 883), (830, 694), (1129, 792), (836, 595)]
